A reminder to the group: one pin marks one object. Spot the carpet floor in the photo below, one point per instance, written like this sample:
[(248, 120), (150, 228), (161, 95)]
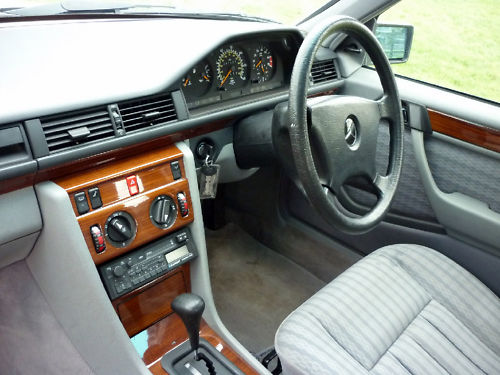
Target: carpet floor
[(254, 287)]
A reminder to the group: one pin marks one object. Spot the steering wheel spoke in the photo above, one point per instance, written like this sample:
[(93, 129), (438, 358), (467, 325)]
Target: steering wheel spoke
[(384, 108), (381, 184)]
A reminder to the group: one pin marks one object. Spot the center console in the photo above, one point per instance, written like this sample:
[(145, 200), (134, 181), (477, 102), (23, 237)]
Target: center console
[(136, 218)]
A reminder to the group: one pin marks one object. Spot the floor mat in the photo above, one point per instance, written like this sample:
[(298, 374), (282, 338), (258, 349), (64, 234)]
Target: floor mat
[(254, 287)]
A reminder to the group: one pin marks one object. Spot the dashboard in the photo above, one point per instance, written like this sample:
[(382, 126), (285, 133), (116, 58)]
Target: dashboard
[(143, 94), (93, 121), (239, 69)]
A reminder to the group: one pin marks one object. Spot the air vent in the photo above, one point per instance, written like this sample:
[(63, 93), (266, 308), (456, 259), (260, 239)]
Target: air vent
[(147, 111), (323, 71), (67, 130)]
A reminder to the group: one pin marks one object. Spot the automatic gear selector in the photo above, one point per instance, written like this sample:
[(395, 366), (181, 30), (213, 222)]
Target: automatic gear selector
[(196, 357)]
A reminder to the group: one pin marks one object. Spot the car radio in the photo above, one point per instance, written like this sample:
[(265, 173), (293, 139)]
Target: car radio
[(139, 267)]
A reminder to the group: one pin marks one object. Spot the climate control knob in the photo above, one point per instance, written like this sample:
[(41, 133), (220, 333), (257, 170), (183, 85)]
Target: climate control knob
[(120, 229), (163, 211)]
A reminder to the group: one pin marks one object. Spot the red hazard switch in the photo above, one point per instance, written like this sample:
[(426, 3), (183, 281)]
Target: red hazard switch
[(133, 188)]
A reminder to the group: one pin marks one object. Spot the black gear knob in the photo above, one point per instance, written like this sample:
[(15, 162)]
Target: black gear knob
[(190, 307)]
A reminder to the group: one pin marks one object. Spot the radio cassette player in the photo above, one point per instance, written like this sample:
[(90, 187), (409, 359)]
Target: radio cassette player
[(139, 267)]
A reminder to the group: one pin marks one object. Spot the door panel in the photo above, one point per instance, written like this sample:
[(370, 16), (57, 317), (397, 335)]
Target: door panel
[(457, 167), (470, 179)]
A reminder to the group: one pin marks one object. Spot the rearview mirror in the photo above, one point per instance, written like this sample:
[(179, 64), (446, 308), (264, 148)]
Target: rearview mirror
[(395, 40)]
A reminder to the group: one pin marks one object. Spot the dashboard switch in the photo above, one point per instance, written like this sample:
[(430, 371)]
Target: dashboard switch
[(98, 238), (176, 170), (133, 188), (95, 198), (82, 205), (183, 204)]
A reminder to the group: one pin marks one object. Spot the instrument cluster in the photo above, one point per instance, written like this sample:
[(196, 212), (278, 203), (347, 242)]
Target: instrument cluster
[(238, 69)]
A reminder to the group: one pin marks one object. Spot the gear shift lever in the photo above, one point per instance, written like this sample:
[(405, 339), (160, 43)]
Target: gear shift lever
[(190, 307)]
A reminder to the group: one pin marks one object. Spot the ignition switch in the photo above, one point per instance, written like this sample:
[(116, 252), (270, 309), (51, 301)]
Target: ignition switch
[(205, 148)]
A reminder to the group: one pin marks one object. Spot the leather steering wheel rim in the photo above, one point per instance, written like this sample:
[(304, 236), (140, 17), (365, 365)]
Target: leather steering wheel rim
[(389, 110)]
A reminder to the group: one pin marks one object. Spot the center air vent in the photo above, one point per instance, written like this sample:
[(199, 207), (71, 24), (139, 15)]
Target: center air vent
[(147, 111), (323, 71), (66, 130)]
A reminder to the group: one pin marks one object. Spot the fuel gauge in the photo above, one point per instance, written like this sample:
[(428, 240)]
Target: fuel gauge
[(198, 80)]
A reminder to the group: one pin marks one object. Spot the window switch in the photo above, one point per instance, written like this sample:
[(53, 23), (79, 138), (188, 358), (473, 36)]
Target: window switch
[(176, 170), (95, 198), (82, 205)]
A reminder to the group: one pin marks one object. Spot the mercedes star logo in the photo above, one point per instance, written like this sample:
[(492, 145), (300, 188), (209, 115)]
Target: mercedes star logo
[(351, 132)]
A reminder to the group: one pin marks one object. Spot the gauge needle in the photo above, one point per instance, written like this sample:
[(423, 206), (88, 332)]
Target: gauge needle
[(206, 78), (225, 78), (260, 62), (186, 82)]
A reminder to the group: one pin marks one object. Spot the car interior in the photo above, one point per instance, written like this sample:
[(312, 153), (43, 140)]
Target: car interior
[(212, 193)]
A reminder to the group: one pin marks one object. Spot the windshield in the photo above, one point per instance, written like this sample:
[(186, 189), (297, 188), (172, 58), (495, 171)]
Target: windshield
[(283, 11)]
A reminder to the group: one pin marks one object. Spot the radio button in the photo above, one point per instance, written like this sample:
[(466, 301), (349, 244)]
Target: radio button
[(119, 271)]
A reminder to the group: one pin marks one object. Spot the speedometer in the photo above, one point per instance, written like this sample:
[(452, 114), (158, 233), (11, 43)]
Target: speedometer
[(231, 68)]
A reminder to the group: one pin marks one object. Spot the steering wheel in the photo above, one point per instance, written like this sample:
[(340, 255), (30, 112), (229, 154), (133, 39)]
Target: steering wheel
[(343, 132)]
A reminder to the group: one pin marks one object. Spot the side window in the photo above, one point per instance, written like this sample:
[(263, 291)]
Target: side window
[(456, 44)]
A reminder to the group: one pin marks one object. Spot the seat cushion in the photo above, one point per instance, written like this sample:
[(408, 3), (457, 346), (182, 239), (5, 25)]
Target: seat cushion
[(404, 309)]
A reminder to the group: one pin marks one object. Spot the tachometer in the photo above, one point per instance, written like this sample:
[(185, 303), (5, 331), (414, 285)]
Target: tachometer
[(262, 64), (231, 68), (198, 80)]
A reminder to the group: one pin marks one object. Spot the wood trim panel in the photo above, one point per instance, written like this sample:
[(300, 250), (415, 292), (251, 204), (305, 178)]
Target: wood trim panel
[(144, 306), (109, 156), (154, 177), (138, 208), (170, 332), (478, 135)]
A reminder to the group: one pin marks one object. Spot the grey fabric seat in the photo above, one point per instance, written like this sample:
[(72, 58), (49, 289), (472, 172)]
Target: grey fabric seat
[(405, 309)]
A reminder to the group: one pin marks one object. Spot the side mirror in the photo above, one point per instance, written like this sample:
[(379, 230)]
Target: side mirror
[(395, 40)]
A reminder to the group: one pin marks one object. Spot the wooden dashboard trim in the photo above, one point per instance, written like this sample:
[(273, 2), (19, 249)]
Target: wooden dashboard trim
[(154, 177), (108, 156), (475, 134), (150, 303)]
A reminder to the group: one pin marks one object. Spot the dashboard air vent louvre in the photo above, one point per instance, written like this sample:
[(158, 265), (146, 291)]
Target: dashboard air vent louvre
[(323, 70), (66, 130), (147, 111)]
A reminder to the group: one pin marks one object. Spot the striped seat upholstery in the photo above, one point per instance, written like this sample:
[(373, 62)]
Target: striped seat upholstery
[(405, 309)]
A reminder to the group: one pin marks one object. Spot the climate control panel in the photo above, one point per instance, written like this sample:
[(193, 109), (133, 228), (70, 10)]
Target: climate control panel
[(129, 202)]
